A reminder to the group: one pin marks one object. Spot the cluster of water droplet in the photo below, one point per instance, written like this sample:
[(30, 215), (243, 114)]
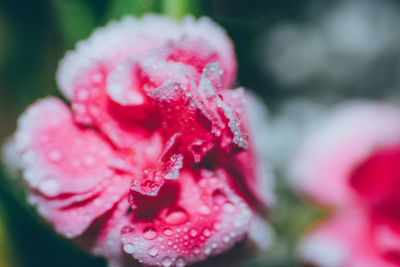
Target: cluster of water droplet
[(181, 236)]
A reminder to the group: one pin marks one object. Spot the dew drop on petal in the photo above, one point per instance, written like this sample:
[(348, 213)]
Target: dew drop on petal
[(205, 210), (166, 262), (127, 229), (193, 233), (206, 232), (153, 251), (226, 238), (55, 156), (229, 207), (180, 261), (129, 248), (207, 251), (177, 216), (219, 197), (149, 233), (217, 226), (196, 250), (49, 187), (168, 232), (83, 94), (89, 160)]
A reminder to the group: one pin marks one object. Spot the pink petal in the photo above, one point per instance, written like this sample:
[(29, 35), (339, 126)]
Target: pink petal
[(57, 156), (261, 180), (131, 38), (350, 134), (375, 179), (191, 219), (124, 126), (205, 29), (203, 109), (108, 242), (102, 76), (74, 219), (207, 115), (66, 167), (253, 179), (343, 241)]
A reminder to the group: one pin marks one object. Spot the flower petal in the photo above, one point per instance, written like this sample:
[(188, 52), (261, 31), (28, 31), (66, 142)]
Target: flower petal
[(326, 159), (191, 219), (343, 241), (66, 167), (74, 219), (131, 38), (57, 156)]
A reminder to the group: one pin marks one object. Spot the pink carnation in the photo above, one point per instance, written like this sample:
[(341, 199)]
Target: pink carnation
[(352, 165), (154, 158)]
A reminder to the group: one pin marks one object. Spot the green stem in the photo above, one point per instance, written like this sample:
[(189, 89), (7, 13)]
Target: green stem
[(6, 255), (177, 9)]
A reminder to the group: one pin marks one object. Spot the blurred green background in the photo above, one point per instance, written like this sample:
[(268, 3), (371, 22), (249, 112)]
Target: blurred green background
[(34, 35)]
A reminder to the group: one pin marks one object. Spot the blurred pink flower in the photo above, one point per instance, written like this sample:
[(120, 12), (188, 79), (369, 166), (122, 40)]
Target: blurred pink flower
[(352, 165), (155, 159)]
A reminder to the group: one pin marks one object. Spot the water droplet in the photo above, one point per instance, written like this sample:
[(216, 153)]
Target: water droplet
[(196, 250), (168, 232), (153, 251), (217, 226), (207, 251), (83, 94), (180, 261), (176, 216), (206, 232), (50, 187), (89, 160), (166, 262), (127, 229), (29, 157), (226, 238), (205, 210), (129, 248), (219, 197), (193, 233), (97, 77), (149, 233), (55, 156), (214, 245), (229, 207)]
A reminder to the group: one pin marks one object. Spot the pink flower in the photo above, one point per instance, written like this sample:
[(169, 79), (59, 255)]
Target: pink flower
[(352, 165), (155, 159)]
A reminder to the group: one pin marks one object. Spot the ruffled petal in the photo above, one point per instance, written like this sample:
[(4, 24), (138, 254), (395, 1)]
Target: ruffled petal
[(74, 219), (342, 241), (66, 167), (131, 38), (325, 161), (194, 119), (57, 156), (253, 164), (108, 239), (376, 178), (192, 218), (108, 72), (92, 106)]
